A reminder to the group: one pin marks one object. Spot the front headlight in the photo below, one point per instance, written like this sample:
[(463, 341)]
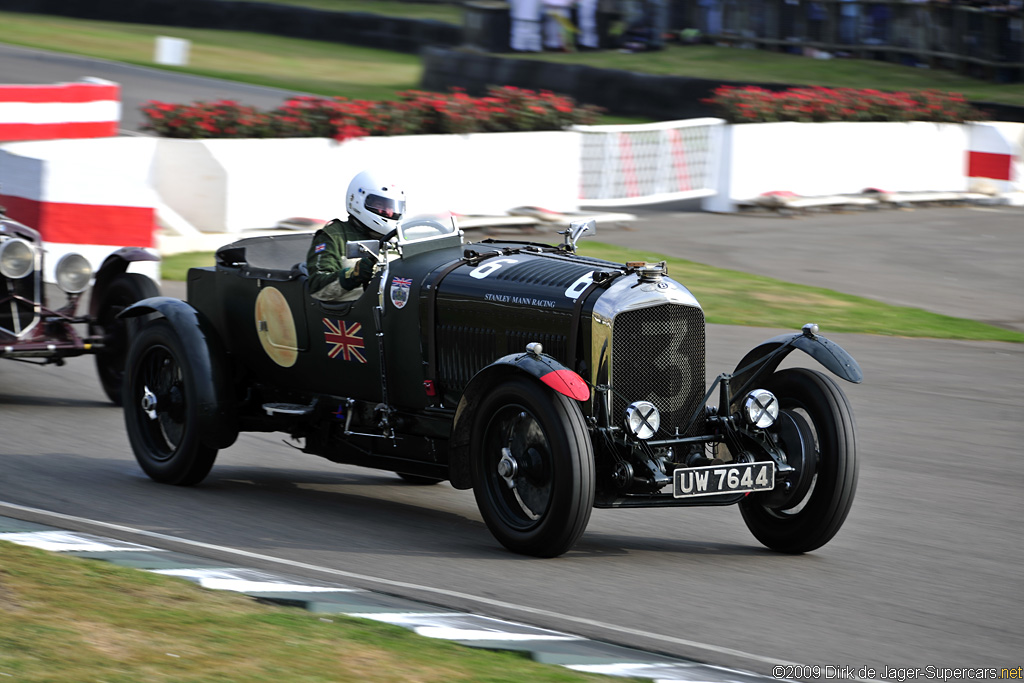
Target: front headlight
[(761, 408), (642, 419), (73, 273), (17, 258)]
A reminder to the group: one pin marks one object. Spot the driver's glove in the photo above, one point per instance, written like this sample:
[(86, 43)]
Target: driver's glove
[(360, 274)]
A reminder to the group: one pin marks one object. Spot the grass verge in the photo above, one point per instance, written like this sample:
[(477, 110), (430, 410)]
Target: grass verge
[(731, 297), (66, 620), (289, 63)]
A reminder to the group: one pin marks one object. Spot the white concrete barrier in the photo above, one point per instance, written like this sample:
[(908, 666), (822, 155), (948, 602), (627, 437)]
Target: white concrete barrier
[(95, 195), (88, 109), (91, 196), (234, 185), (818, 159)]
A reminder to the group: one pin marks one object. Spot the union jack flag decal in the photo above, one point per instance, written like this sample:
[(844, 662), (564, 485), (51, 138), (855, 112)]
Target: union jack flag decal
[(345, 340)]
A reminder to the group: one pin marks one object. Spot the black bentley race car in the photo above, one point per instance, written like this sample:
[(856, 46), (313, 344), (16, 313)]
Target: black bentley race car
[(32, 332), (548, 382)]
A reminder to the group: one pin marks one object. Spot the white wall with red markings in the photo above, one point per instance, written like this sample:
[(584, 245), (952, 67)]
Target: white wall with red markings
[(995, 157), (64, 171)]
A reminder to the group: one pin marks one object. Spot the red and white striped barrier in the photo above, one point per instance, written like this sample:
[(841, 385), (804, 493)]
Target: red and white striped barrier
[(86, 196), (994, 157), (64, 173), (88, 109)]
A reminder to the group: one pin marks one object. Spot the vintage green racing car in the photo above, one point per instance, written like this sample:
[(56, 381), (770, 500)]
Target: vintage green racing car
[(547, 382)]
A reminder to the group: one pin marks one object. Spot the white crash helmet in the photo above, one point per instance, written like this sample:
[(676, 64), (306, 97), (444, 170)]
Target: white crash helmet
[(375, 204)]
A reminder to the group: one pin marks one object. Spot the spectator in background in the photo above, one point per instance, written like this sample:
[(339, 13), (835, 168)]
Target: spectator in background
[(815, 21), (849, 20), (878, 16), (710, 17), (586, 19), (527, 21), (557, 17)]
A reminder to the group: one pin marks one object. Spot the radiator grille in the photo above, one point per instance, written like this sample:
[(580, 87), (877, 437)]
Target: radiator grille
[(16, 314), (658, 356)]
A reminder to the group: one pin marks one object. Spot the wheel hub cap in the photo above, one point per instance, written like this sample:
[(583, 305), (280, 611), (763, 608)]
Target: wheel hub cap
[(508, 467), (148, 403)]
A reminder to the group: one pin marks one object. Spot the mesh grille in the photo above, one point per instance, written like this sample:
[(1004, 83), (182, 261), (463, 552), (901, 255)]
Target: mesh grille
[(461, 352), (658, 356)]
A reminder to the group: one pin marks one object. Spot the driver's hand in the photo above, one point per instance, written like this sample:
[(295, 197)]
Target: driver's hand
[(363, 271)]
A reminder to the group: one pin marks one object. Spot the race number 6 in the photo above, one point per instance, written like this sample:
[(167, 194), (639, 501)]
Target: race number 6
[(580, 286), (480, 272)]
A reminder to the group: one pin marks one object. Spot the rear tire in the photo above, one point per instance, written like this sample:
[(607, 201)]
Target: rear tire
[(533, 468), (161, 409), (807, 522), (123, 291)]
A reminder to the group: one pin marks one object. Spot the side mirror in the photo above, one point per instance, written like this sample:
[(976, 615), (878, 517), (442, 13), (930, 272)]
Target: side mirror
[(578, 229), (361, 248)]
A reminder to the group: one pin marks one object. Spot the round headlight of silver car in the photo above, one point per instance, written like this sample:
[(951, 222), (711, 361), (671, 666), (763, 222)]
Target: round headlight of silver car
[(17, 258), (642, 419), (73, 273), (761, 408)]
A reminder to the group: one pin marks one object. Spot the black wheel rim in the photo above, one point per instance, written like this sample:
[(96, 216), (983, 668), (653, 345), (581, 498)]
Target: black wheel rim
[(795, 504), (160, 396), (517, 467)]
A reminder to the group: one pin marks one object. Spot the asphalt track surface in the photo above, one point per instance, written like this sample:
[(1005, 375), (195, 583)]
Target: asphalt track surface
[(925, 572)]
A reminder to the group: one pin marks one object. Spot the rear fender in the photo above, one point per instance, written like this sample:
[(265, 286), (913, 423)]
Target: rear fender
[(114, 265), (208, 359), (772, 351), (542, 367)]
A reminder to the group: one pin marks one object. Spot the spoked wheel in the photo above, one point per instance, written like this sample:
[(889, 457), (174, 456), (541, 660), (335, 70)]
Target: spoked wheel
[(122, 292), (816, 430), (533, 468), (161, 411)]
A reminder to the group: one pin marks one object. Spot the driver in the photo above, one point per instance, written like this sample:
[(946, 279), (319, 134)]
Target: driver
[(374, 209)]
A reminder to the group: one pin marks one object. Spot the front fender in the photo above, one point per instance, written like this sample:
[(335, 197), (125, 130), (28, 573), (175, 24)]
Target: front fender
[(543, 367), (208, 358), (114, 265), (772, 351)]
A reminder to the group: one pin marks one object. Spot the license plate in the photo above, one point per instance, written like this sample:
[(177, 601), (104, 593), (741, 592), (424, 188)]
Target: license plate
[(690, 482)]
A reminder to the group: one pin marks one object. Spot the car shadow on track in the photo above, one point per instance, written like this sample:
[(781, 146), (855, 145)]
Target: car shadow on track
[(52, 401)]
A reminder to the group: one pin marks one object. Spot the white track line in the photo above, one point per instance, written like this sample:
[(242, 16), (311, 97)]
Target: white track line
[(613, 628)]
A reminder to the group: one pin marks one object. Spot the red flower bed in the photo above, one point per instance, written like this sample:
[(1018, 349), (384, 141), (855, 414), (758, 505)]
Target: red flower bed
[(415, 112), (757, 105)]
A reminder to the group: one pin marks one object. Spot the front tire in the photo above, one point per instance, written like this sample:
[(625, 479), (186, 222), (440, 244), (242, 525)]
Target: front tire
[(123, 291), (807, 521), (533, 468), (161, 408)]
